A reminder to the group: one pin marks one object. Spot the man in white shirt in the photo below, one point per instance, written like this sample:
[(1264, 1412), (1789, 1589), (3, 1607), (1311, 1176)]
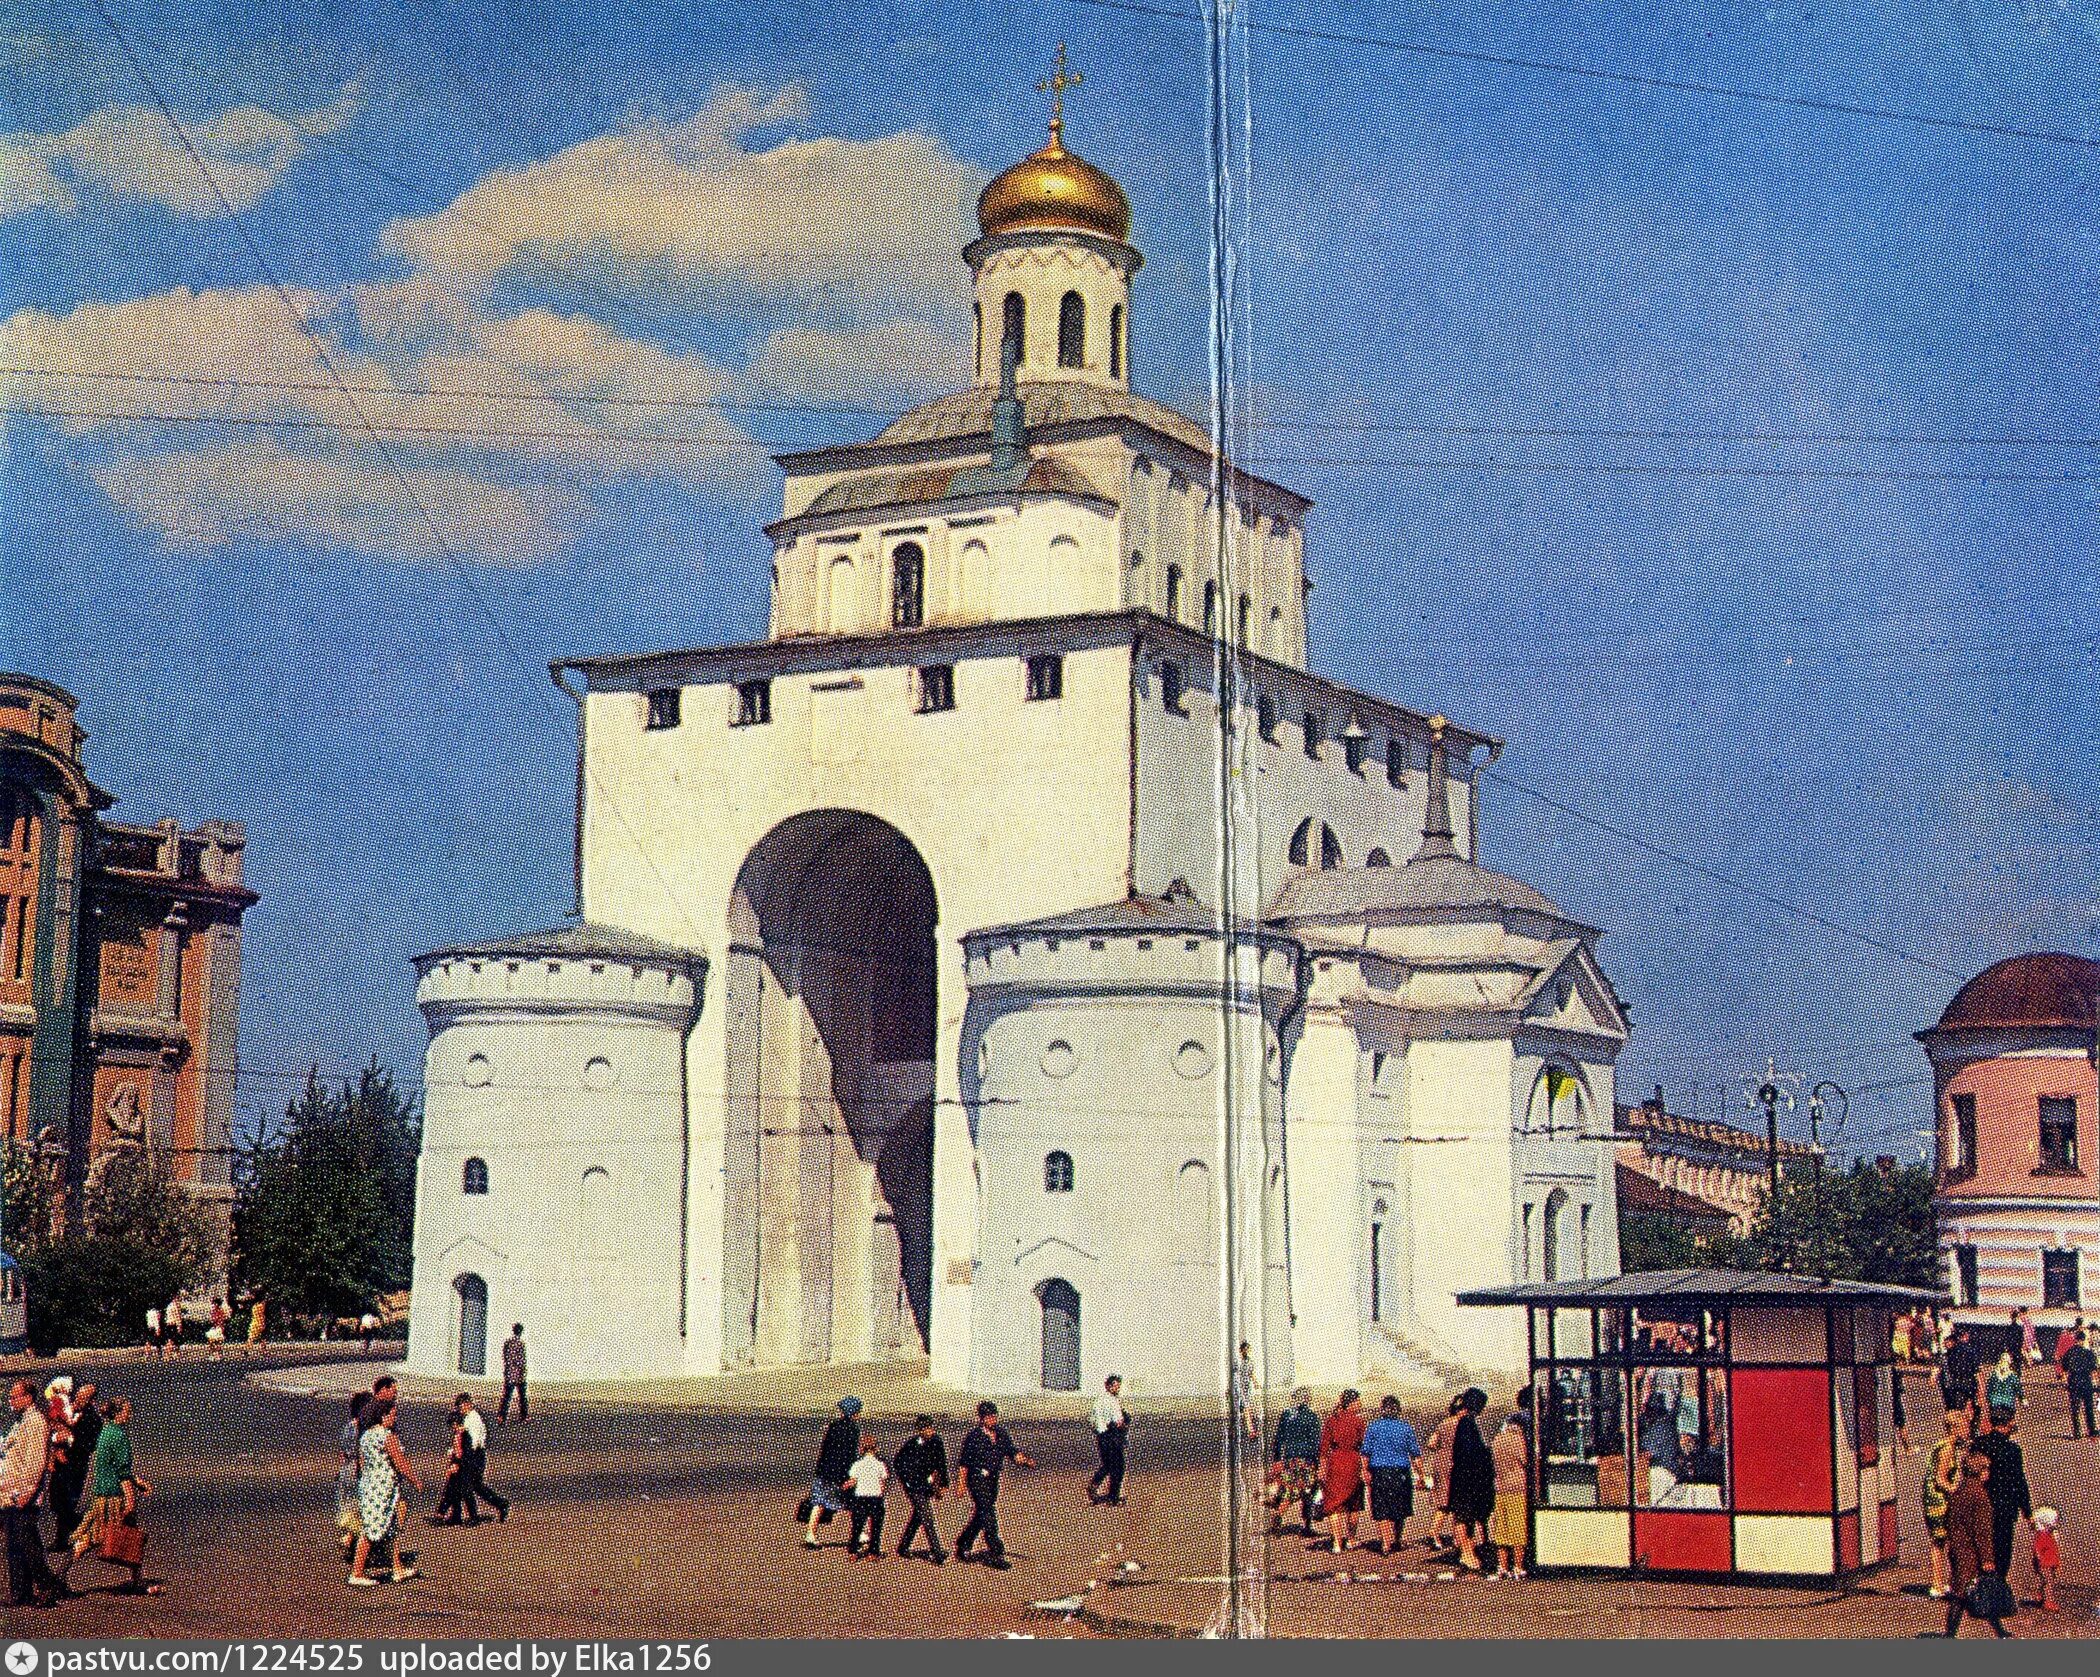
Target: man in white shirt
[(474, 1461), (1111, 1426), (23, 1466)]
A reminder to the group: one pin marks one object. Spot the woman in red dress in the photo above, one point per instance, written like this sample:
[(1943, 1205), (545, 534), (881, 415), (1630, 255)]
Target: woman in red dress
[(1342, 1469)]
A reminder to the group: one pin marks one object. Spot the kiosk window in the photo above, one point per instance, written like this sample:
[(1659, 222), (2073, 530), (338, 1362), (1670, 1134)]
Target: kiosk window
[(1687, 1331), (1573, 1335), (1581, 1418), (1680, 1434)]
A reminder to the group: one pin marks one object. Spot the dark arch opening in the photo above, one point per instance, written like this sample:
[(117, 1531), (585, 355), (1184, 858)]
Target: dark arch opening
[(1115, 341), (1071, 330), (1013, 324), (830, 996), (908, 586)]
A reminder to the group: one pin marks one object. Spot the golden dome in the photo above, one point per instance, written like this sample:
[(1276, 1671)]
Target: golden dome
[(1054, 188)]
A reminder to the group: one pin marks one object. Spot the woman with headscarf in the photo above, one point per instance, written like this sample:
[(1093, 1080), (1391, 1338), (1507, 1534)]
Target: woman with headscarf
[(1438, 1478), (1296, 1457), (66, 1460), (1472, 1497), (1342, 1468), (835, 1458)]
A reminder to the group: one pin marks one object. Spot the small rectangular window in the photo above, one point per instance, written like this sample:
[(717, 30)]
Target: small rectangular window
[(2059, 1280), (1396, 755), (937, 687), (1353, 748), (1963, 1161), (754, 703), (1172, 688), (663, 707), (1265, 717), (2059, 1135), (1315, 733), (1046, 676)]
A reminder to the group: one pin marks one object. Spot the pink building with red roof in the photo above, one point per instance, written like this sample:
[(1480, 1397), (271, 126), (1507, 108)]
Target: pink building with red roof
[(2015, 1097)]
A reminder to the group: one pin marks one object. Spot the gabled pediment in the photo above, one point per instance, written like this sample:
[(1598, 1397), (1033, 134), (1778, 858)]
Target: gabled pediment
[(1573, 995)]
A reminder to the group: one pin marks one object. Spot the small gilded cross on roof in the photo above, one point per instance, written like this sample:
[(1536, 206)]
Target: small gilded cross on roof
[(1055, 85)]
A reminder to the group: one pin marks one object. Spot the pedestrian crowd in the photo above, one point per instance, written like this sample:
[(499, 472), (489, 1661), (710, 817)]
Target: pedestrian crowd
[(1975, 1490), (852, 1478), (1337, 1469), (374, 1475), (69, 1456)]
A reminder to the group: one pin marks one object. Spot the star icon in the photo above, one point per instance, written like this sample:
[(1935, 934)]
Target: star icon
[(21, 1658)]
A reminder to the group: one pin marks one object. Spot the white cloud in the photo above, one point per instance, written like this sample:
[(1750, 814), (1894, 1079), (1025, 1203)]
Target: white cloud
[(892, 361), (842, 253), (867, 225), (130, 151), (255, 488), (481, 409)]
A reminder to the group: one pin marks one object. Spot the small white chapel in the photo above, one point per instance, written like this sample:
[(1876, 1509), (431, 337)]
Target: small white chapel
[(1019, 960)]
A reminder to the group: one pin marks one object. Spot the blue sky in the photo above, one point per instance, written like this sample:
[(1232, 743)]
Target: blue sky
[(1856, 675)]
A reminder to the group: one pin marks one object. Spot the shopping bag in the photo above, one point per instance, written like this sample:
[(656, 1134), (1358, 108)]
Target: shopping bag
[(123, 1542)]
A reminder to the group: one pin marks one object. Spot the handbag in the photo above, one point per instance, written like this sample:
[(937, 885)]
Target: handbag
[(1989, 1598), (123, 1542)]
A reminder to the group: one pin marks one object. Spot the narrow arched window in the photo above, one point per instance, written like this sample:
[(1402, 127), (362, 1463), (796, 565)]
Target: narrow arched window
[(1071, 331), (1115, 341), (977, 335), (1014, 325), (1174, 593), (1301, 843), (1246, 619), (907, 587), (1378, 859), (474, 1177), (1210, 608), (1330, 850), (1057, 1172)]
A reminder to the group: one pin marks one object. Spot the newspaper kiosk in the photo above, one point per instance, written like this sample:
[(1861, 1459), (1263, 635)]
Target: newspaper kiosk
[(1708, 1422)]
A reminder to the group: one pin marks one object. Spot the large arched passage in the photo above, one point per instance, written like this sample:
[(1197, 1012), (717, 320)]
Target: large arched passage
[(829, 1163)]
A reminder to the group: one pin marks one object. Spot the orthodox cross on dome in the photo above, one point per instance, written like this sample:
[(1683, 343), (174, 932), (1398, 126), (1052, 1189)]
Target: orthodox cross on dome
[(1055, 84)]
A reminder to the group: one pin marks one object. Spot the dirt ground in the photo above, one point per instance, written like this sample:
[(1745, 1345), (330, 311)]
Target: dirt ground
[(632, 1520)]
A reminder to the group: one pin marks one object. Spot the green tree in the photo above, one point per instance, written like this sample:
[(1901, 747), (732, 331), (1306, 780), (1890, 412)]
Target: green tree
[(139, 1241), (1655, 1240), (323, 1221), (1864, 1223)]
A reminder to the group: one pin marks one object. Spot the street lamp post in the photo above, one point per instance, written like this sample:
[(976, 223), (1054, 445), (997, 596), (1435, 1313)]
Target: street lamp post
[(1767, 1095)]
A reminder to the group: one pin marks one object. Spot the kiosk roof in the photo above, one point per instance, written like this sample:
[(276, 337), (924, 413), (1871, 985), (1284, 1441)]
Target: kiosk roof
[(1744, 1286)]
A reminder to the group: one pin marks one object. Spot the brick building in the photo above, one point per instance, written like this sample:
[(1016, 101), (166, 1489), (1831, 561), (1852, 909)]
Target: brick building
[(1726, 1167), (120, 964)]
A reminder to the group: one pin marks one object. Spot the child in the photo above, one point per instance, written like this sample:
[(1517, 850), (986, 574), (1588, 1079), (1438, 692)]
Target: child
[(865, 1480), (453, 1499), (2048, 1555)]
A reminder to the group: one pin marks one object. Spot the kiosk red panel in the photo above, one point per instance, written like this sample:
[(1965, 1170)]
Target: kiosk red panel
[(1682, 1542), (1889, 1541), (1779, 1435), (1848, 1541)]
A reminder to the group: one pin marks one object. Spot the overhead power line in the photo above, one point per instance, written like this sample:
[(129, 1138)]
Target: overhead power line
[(1810, 915), (1631, 78), (1356, 427), (365, 426)]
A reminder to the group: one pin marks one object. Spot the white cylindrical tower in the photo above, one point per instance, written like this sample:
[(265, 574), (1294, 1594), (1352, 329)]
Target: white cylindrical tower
[(552, 1185)]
